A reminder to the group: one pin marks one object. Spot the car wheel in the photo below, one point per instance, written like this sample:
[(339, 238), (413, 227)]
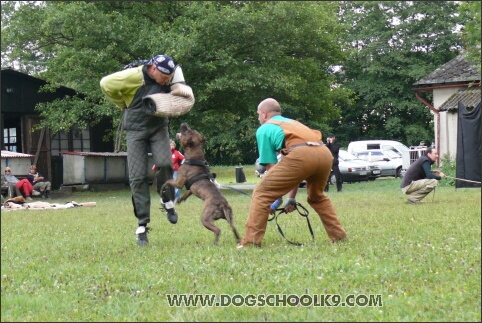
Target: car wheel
[(398, 173)]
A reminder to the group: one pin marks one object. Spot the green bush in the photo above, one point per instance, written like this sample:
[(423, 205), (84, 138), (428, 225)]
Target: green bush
[(447, 166)]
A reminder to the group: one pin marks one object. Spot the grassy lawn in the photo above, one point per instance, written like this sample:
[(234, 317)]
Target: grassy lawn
[(412, 262)]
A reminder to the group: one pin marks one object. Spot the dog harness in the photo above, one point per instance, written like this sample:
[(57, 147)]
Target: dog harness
[(206, 175)]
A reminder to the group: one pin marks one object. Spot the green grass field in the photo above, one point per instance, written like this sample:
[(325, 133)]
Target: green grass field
[(412, 262)]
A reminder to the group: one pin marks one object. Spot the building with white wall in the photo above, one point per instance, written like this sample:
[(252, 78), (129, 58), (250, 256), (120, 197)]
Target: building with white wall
[(456, 82)]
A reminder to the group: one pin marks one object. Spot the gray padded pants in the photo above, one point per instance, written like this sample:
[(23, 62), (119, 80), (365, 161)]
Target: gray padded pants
[(138, 143)]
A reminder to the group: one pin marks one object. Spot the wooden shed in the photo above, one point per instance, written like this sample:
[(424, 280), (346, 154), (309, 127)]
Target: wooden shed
[(19, 97)]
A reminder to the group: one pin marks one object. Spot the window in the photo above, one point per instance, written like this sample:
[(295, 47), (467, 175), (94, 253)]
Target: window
[(10, 139), (392, 154), (362, 155), (75, 140), (377, 156)]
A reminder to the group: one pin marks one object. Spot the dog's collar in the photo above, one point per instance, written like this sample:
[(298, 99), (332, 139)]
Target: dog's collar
[(195, 162)]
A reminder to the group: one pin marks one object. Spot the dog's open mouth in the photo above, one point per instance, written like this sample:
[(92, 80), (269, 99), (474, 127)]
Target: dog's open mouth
[(184, 128)]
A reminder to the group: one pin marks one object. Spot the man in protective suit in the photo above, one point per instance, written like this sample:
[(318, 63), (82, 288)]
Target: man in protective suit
[(144, 130), (305, 157)]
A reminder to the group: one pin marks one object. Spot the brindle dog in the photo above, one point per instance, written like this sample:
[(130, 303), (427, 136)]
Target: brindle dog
[(194, 173)]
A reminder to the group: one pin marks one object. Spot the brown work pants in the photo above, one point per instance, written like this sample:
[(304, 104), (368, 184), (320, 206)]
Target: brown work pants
[(312, 163)]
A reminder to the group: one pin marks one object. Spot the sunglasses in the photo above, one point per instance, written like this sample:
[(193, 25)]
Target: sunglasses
[(8, 171)]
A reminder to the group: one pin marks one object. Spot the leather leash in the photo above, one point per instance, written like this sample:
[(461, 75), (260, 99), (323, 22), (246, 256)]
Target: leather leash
[(303, 212), (232, 188)]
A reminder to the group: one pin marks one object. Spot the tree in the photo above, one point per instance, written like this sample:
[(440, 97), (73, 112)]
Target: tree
[(470, 14), (393, 44), (257, 50)]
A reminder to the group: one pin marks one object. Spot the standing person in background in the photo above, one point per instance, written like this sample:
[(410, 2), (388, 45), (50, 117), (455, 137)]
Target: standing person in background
[(304, 158), (126, 89), (420, 180), (334, 147), (22, 184), (38, 182), (177, 159)]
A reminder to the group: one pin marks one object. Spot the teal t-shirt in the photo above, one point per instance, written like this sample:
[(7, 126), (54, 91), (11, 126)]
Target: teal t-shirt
[(270, 138)]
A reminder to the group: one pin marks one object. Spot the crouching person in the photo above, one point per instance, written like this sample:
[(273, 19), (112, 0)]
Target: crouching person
[(420, 180)]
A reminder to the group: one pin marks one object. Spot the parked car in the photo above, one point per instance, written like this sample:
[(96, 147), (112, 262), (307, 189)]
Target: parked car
[(353, 169), (355, 147), (389, 161)]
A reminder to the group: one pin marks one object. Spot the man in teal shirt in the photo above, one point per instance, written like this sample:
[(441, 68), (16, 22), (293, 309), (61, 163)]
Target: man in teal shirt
[(304, 158)]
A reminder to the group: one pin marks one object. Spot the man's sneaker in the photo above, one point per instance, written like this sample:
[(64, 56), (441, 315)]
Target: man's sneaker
[(141, 234), (36, 193), (171, 212), (28, 198)]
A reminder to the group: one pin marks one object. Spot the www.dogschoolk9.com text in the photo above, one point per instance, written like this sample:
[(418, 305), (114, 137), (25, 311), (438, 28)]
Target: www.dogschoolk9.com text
[(275, 300)]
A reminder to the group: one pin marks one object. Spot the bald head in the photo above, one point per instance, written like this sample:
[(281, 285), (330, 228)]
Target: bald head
[(270, 105), (267, 109)]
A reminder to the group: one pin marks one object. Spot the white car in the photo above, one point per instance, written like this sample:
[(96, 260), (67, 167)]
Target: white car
[(355, 147), (389, 161), (354, 169)]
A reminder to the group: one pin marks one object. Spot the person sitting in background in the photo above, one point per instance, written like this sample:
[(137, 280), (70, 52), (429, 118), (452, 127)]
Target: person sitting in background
[(38, 182), (12, 190), (22, 184), (420, 180)]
